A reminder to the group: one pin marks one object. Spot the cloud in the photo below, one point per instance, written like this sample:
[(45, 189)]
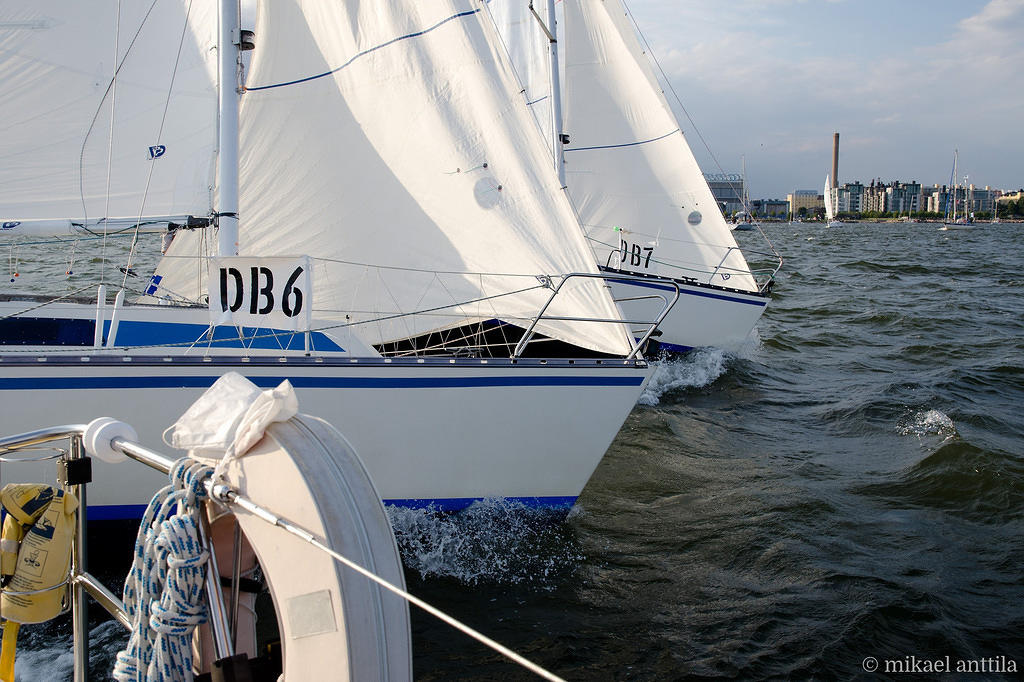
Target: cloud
[(785, 75)]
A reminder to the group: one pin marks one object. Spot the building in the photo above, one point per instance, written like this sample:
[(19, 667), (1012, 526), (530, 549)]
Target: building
[(903, 197), (850, 198), (772, 208), (935, 198), (728, 190), (807, 199), (983, 200), (894, 197)]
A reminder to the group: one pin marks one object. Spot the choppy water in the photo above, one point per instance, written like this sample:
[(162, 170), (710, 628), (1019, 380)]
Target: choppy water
[(850, 486)]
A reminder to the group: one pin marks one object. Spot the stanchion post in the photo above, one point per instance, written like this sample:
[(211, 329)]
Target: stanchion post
[(79, 600)]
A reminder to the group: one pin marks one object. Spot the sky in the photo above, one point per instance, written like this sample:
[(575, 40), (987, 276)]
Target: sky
[(904, 82)]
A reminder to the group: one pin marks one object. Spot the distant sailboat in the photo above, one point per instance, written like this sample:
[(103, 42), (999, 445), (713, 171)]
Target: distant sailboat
[(830, 210), (952, 221), (643, 202)]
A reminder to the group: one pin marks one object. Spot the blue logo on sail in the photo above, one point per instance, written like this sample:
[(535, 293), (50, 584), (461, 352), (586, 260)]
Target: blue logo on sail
[(156, 151), (10, 225), (154, 284)]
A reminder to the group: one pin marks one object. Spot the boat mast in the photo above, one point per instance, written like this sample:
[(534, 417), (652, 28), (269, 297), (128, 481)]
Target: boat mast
[(227, 167), (955, 155), (968, 201), (560, 138)]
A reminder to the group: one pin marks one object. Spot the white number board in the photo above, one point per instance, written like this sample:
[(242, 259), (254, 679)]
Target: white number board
[(261, 292)]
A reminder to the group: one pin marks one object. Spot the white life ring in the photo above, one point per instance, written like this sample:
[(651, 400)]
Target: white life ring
[(331, 620)]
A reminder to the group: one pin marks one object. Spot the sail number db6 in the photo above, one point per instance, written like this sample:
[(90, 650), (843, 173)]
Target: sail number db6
[(261, 292)]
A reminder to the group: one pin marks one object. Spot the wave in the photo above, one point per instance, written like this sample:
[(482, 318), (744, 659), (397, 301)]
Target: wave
[(897, 268), (698, 368), (959, 478), (491, 541)]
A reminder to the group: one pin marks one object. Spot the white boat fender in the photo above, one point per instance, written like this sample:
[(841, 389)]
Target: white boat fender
[(36, 592)]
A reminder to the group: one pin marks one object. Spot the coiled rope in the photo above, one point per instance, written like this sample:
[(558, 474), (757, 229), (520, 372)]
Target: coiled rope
[(163, 593)]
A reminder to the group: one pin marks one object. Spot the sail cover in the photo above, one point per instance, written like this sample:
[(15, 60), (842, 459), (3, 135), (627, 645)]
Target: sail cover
[(633, 180), (389, 140), (58, 159)]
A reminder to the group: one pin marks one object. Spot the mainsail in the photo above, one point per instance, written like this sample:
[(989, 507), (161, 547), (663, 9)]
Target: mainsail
[(58, 160), (390, 141), (830, 211)]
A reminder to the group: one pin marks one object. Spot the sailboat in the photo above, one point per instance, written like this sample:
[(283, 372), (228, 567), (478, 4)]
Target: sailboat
[(643, 202), (830, 211), (362, 206), (951, 220)]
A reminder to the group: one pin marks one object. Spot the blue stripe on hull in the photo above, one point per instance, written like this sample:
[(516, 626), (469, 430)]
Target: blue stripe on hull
[(673, 347), (80, 383), (683, 290), (116, 512), (127, 512)]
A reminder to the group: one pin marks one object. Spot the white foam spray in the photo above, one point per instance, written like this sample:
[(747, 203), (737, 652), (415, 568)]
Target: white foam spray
[(696, 369), (491, 541), (926, 423)]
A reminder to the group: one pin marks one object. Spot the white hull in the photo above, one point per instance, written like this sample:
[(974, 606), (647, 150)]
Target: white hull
[(430, 430), (703, 316)]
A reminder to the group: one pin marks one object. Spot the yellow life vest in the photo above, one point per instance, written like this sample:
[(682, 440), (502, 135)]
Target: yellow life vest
[(35, 555), (25, 503), (43, 561)]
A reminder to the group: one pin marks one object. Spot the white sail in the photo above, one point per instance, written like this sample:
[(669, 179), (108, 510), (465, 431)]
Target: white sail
[(56, 65), (635, 184), (527, 47), (830, 212), (392, 136)]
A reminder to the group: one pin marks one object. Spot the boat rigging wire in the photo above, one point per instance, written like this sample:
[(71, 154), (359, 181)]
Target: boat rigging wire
[(46, 303), (159, 135), (110, 142), (96, 114), (254, 337)]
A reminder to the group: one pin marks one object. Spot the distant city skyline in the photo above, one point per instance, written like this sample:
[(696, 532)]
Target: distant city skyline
[(903, 83)]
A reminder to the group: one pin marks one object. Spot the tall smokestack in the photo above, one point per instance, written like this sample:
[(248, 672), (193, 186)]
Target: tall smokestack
[(835, 159)]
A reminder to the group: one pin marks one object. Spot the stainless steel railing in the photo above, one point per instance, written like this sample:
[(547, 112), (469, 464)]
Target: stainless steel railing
[(81, 582), (763, 277), (638, 344)]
